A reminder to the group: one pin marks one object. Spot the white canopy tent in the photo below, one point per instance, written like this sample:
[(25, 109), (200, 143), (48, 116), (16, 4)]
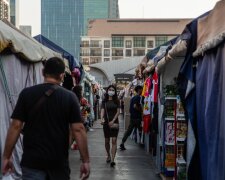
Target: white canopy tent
[(20, 66)]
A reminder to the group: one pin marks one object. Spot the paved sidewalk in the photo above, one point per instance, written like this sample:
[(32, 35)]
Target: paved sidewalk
[(132, 164)]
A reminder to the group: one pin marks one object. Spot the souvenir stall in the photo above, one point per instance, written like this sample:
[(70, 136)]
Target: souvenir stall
[(190, 143), (164, 123)]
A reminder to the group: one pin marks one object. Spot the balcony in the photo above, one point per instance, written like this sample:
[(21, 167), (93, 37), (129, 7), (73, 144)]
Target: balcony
[(96, 54), (95, 46), (84, 54), (84, 45)]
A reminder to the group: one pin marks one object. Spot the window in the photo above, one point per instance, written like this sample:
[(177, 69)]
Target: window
[(106, 59), (107, 44), (150, 44), (95, 43), (106, 52), (96, 52), (138, 52), (85, 61), (128, 52), (139, 41), (128, 44), (85, 52), (95, 60), (159, 40), (116, 58), (85, 44), (117, 52), (117, 41)]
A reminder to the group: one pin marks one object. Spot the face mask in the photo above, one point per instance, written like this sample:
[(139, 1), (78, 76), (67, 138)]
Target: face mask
[(111, 93)]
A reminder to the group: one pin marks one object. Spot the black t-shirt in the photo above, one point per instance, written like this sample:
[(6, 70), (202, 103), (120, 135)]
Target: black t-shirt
[(134, 113), (46, 132)]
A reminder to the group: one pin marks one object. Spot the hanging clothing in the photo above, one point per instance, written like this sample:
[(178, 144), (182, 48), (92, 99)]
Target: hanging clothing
[(155, 88), (147, 106), (146, 88)]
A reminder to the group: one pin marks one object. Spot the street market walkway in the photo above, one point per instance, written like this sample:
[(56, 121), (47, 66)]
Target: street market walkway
[(132, 164)]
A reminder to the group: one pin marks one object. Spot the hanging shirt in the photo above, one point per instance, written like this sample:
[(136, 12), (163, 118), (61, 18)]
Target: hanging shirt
[(146, 88), (155, 88), (147, 106)]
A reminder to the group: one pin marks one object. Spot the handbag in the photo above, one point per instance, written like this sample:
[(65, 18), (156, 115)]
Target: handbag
[(114, 125)]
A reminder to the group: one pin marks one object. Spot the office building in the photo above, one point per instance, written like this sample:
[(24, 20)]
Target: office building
[(14, 12), (4, 9), (112, 39), (62, 23), (99, 9)]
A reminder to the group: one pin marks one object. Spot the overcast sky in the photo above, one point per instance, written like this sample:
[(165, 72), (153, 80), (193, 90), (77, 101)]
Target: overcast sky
[(30, 10)]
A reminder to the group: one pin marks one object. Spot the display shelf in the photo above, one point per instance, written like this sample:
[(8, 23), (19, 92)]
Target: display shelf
[(181, 118), (181, 161), (169, 144), (180, 139), (169, 118), (170, 98)]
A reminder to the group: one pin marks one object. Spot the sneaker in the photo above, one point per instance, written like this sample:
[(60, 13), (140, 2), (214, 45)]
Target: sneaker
[(122, 147)]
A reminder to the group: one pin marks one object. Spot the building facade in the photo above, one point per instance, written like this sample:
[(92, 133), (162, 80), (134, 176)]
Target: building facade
[(115, 39), (4, 9), (98, 9), (62, 23), (14, 12)]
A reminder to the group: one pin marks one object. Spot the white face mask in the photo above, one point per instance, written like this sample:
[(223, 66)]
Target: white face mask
[(111, 93)]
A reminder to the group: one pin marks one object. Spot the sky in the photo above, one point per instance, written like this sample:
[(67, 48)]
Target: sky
[(30, 10)]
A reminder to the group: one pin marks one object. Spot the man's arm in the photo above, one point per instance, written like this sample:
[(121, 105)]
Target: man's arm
[(80, 135), (11, 139)]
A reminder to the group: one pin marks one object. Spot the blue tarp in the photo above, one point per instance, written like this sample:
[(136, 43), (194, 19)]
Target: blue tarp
[(51, 45)]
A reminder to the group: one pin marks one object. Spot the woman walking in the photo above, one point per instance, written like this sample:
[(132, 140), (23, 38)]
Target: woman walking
[(109, 119)]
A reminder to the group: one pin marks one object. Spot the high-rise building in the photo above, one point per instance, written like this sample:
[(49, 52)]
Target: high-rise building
[(62, 23), (4, 9), (14, 12), (99, 9)]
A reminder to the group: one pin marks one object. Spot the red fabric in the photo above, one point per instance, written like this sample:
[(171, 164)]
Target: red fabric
[(147, 121), (155, 88)]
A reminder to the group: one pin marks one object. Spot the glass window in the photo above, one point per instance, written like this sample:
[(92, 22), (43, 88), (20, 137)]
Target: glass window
[(85, 61), (106, 52), (95, 60), (117, 41), (85, 52), (106, 59), (128, 44), (95, 43), (139, 52), (128, 52), (107, 44), (96, 52), (116, 58), (150, 44), (159, 40), (85, 44), (139, 41), (117, 52)]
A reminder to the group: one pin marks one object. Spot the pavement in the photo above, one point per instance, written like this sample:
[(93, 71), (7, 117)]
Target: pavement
[(131, 164)]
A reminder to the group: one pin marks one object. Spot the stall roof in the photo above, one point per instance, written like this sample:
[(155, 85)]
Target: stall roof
[(46, 42), (122, 66), (23, 45)]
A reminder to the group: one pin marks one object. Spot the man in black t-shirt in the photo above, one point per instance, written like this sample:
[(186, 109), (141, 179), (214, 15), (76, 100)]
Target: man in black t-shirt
[(135, 115), (46, 118)]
